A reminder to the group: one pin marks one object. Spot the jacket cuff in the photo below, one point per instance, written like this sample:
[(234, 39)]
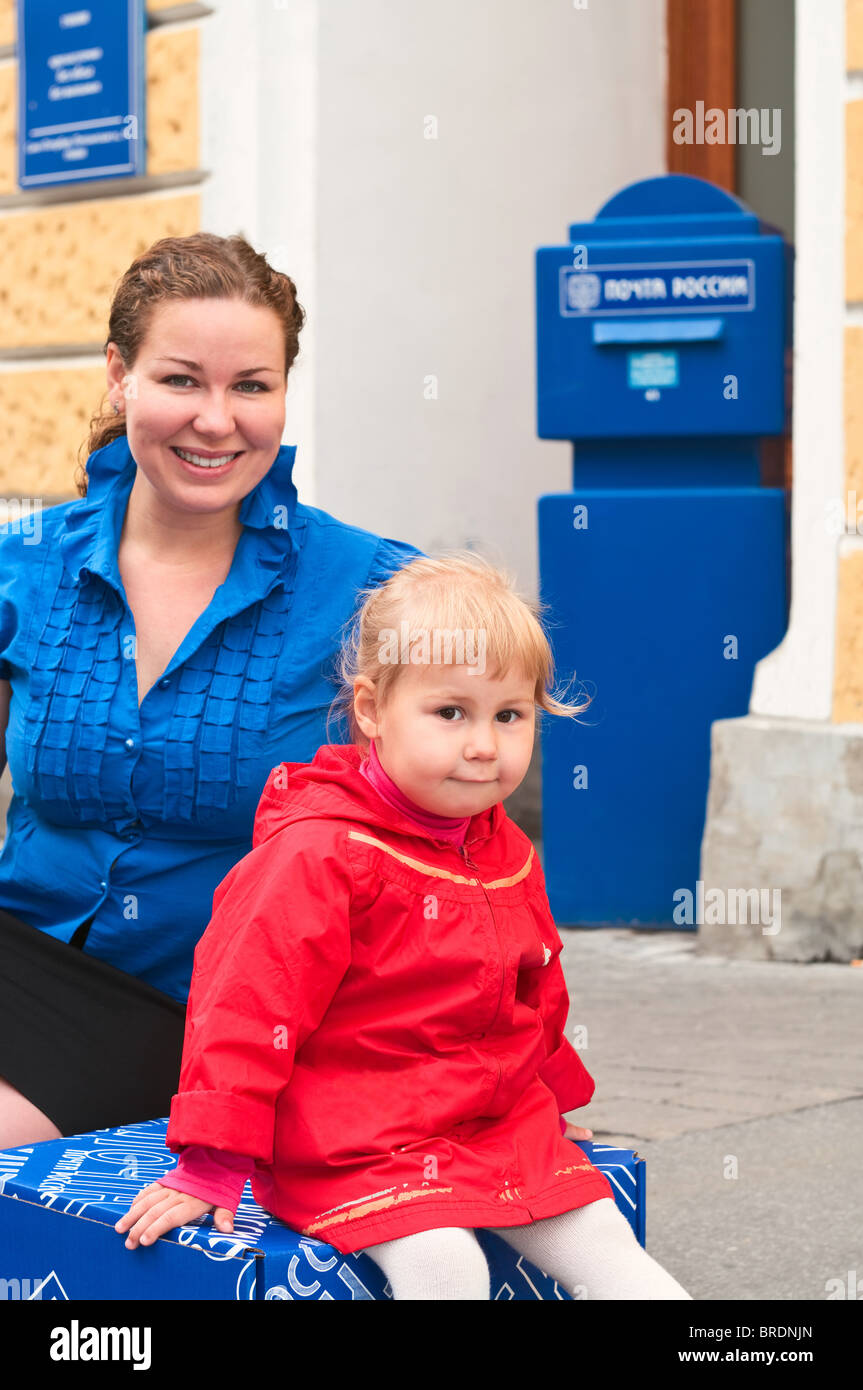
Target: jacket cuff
[(219, 1120), (207, 1189), (567, 1077)]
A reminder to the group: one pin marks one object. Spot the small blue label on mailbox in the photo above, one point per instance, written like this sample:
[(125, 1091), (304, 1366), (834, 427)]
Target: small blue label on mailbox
[(652, 369), (657, 288)]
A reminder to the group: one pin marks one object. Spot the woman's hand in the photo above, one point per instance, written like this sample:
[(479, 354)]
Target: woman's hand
[(576, 1132), (158, 1209)]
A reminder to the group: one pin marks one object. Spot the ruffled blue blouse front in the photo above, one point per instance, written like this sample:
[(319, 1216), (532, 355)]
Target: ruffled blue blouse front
[(136, 813)]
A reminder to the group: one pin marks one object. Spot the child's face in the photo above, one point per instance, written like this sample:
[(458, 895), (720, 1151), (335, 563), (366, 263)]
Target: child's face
[(453, 740)]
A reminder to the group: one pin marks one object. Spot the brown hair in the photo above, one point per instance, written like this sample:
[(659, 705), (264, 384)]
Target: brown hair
[(458, 591), (201, 266)]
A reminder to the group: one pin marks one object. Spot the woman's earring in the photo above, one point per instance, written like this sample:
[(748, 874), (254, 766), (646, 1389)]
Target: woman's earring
[(116, 407)]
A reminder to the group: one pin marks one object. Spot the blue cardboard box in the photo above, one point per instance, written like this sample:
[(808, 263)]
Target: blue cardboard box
[(59, 1201)]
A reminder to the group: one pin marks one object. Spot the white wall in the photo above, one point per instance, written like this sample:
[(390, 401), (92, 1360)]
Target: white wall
[(414, 256)]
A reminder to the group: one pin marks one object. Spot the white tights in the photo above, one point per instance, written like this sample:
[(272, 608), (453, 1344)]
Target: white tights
[(592, 1252)]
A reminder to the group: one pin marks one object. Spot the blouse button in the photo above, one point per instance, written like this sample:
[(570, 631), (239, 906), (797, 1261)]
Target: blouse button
[(104, 884), (166, 680), (130, 743)]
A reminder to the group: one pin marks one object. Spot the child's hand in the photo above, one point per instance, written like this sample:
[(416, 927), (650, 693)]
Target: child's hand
[(576, 1132), (158, 1209)]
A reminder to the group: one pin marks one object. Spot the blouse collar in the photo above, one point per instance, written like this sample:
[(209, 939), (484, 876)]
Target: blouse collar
[(94, 523)]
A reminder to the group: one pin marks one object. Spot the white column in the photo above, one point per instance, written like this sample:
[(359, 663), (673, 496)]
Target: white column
[(259, 79), (796, 680)]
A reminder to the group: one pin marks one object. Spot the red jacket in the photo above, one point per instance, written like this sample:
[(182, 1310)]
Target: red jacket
[(378, 1020)]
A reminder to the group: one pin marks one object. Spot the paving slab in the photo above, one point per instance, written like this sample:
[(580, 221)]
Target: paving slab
[(741, 1085)]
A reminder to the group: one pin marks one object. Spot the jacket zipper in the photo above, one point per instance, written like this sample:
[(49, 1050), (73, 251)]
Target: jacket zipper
[(469, 862)]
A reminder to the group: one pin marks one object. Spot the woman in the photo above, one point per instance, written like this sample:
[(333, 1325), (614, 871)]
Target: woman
[(168, 641)]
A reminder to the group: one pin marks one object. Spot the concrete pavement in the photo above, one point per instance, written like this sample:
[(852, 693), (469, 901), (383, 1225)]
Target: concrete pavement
[(740, 1083)]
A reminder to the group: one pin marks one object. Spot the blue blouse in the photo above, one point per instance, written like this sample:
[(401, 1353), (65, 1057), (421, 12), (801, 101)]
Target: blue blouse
[(137, 814)]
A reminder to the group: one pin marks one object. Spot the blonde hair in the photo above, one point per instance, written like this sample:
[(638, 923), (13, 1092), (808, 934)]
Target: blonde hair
[(455, 591)]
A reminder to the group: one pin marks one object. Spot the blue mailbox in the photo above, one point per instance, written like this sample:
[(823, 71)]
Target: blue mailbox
[(663, 353)]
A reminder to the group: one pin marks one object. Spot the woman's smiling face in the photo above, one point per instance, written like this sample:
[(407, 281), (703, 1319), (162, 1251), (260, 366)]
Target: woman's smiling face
[(209, 380)]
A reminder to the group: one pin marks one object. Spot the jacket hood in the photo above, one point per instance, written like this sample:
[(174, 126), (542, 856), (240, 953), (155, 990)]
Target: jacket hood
[(331, 786)]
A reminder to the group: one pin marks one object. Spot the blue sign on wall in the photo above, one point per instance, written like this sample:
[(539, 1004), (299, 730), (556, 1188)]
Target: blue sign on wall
[(81, 112)]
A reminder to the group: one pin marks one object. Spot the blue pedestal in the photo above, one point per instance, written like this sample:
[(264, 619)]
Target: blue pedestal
[(661, 601), (59, 1201)]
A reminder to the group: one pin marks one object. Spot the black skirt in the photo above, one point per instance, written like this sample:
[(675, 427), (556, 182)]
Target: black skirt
[(89, 1045)]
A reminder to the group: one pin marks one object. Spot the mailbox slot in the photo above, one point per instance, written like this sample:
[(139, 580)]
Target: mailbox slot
[(659, 331)]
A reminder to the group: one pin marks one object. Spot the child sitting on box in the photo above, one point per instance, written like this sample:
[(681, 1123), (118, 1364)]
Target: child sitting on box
[(375, 1029)]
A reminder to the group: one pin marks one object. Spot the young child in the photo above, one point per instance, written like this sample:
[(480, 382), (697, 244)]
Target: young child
[(376, 1022)]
